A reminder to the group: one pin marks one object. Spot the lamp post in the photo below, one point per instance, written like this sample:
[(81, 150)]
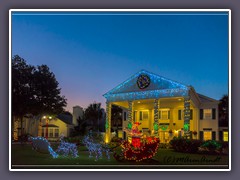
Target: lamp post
[(47, 121)]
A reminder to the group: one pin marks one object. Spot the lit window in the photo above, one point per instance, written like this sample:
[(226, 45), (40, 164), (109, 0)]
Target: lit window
[(207, 113), (56, 132), (225, 136), (164, 114), (51, 133), (207, 135), (143, 115)]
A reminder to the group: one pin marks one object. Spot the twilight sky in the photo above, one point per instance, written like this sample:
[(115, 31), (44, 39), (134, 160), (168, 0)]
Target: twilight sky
[(92, 53)]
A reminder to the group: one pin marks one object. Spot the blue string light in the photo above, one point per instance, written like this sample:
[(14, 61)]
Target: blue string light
[(159, 87), (95, 149), (40, 143), (67, 149)]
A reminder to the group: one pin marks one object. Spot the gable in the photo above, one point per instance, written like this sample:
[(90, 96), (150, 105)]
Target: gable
[(156, 82)]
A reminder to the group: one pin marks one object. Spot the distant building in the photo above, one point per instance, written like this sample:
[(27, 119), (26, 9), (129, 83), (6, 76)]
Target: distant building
[(61, 125), (52, 128), (77, 112)]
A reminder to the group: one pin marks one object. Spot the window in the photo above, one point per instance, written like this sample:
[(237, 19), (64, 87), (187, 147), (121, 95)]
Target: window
[(207, 135), (125, 116), (56, 132), (135, 116), (51, 133), (207, 113), (143, 115), (181, 114), (225, 136), (164, 114), (42, 132)]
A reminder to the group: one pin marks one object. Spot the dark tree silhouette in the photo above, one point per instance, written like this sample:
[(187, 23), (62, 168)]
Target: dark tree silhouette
[(223, 111), (22, 95), (47, 92), (82, 124), (34, 90), (93, 115), (116, 117)]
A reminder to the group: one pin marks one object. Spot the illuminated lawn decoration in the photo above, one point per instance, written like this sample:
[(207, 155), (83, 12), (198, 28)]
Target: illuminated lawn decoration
[(95, 149), (67, 149), (40, 144), (139, 149)]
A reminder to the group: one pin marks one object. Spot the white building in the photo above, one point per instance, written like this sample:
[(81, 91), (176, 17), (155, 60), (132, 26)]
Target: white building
[(164, 108)]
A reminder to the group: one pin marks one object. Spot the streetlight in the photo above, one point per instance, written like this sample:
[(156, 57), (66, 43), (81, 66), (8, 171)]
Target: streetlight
[(47, 121)]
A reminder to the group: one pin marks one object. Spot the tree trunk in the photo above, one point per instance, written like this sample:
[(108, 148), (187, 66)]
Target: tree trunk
[(21, 135)]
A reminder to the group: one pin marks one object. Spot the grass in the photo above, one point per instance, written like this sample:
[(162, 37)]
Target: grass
[(24, 155)]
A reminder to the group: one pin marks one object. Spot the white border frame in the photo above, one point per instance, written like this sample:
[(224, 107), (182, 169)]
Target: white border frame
[(118, 10)]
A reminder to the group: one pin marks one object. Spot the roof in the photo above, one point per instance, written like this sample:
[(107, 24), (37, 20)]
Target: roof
[(65, 118), (157, 86), (50, 125), (205, 99)]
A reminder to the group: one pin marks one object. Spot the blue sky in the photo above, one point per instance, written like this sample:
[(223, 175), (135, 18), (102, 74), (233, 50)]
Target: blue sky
[(92, 53)]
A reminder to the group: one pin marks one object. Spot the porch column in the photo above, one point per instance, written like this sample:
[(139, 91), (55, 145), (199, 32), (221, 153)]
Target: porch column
[(108, 122), (40, 128), (186, 126), (156, 117), (130, 113)]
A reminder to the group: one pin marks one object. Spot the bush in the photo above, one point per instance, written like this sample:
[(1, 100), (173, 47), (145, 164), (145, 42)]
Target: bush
[(116, 139), (211, 146), (185, 145), (24, 137), (76, 140)]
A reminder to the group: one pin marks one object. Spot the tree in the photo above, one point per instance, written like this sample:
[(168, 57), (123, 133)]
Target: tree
[(22, 96), (34, 90), (47, 92), (93, 114), (82, 124), (223, 111), (116, 116)]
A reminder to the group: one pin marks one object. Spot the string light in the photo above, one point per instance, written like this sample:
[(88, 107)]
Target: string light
[(140, 148), (67, 149), (15, 131), (41, 144), (95, 149), (162, 88), (186, 126)]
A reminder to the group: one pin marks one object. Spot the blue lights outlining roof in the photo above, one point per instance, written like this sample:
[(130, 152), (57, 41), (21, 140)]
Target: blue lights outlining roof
[(159, 87)]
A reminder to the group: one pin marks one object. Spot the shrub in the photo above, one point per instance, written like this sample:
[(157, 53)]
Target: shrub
[(211, 146), (116, 139), (185, 145)]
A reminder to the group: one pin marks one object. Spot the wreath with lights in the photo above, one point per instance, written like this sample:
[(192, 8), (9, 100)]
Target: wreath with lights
[(143, 81)]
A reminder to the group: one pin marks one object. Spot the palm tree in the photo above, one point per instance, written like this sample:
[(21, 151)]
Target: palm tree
[(93, 114)]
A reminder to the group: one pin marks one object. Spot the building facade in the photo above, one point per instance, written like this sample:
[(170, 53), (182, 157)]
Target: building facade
[(163, 108), (47, 126)]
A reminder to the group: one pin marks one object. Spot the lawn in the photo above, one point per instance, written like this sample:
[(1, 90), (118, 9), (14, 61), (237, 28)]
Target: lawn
[(23, 156)]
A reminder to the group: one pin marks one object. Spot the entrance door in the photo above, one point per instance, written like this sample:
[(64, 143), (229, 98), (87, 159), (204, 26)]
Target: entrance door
[(164, 136)]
